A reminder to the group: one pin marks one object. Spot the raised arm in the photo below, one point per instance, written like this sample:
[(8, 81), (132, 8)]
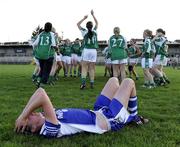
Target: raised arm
[(79, 23), (38, 100), (96, 22)]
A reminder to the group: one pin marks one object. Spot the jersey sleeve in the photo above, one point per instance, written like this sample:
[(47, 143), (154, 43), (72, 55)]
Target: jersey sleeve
[(35, 43), (95, 30), (83, 31), (164, 41), (148, 46), (125, 43), (50, 130), (109, 43), (53, 39), (105, 50)]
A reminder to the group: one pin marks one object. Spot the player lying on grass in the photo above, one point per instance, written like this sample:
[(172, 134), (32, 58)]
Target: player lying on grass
[(115, 107)]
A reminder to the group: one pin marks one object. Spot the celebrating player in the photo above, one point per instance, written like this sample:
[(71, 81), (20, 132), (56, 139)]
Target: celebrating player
[(37, 68), (66, 52), (89, 53), (147, 59), (45, 52), (134, 53), (57, 64), (108, 65), (161, 53), (117, 47), (76, 55)]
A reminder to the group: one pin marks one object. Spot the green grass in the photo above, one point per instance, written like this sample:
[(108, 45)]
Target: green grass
[(160, 105)]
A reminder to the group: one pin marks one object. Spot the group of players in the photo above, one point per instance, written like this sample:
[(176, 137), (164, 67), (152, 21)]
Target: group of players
[(116, 106), (152, 54), (51, 54), (66, 56), (80, 56)]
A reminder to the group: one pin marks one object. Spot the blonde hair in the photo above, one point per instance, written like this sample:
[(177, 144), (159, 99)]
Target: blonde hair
[(117, 30)]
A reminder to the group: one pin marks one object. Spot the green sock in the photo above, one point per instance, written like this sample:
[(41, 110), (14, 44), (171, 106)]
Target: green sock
[(83, 81)]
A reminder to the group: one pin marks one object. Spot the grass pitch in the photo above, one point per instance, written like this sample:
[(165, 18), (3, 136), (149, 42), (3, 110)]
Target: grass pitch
[(161, 105)]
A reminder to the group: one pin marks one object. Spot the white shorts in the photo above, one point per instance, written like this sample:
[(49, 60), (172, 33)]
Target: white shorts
[(108, 61), (146, 63), (133, 60), (158, 61), (89, 55), (66, 59), (122, 61), (58, 57), (36, 61), (74, 57)]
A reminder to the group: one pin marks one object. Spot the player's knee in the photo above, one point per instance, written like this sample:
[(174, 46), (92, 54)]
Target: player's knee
[(128, 81), (40, 91), (114, 80)]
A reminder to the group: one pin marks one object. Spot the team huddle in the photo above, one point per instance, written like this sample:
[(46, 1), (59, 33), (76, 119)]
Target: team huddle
[(116, 105)]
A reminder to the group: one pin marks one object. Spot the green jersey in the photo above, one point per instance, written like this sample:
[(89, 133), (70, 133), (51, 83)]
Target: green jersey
[(76, 49), (66, 50), (148, 49), (160, 44), (89, 43), (43, 44), (132, 52), (117, 47)]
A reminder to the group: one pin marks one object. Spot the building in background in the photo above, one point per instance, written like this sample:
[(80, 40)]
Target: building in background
[(21, 52)]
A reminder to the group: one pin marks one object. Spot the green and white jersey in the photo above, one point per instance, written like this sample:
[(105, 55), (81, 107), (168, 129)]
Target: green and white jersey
[(160, 46), (106, 52), (133, 52), (117, 47), (43, 44), (148, 50), (67, 50), (33, 38), (87, 42), (76, 49)]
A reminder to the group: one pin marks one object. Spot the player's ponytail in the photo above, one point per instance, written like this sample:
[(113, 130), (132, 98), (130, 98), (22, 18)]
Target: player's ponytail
[(160, 30), (89, 26)]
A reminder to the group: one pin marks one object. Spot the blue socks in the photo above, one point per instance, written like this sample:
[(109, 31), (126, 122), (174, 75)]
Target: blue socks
[(132, 106)]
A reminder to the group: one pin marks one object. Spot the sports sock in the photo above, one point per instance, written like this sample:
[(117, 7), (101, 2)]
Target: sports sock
[(74, 72), (83, 81), (132, 106)]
